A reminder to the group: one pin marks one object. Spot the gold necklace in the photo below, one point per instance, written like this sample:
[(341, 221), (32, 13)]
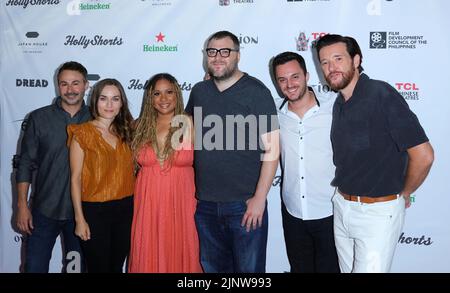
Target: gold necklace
[(161, 157)]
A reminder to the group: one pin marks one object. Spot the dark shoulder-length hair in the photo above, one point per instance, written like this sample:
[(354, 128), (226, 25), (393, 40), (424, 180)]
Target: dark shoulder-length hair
[(121, 125)]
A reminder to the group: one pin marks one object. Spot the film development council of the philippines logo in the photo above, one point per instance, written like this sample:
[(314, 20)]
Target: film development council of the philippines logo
[(378, 40)]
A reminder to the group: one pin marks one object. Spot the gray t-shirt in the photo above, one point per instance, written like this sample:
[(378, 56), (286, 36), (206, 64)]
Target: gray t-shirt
[(228, 126)]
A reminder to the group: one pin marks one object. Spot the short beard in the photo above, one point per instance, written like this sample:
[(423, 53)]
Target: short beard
[(226, 75), (346, 79)]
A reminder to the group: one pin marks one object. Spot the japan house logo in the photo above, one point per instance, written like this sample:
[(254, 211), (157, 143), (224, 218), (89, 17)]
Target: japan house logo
[(378, 40), (33, 43), (160, 45)]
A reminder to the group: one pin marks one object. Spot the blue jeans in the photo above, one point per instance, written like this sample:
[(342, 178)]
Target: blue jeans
[(40, 243), (225, 246)]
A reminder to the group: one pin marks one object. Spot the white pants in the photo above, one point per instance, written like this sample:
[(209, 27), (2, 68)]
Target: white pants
[(366, 234)]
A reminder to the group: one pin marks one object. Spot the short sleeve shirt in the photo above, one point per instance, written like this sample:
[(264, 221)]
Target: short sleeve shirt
[(228, 127), (370, 134), (107, 172)]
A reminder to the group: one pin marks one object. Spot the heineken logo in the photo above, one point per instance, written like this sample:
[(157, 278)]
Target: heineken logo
[(160, 45)]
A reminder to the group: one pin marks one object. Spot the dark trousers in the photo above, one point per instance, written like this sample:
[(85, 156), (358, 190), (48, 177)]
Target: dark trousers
[(110, 226), (310, 244), (39, 245), (226, 246)]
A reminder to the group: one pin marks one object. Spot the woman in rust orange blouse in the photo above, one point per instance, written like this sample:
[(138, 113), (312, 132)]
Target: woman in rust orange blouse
[(102, 180)]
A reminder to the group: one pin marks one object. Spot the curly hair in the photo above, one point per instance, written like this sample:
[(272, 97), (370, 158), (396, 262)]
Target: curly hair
[(121, 126), (145, 126)]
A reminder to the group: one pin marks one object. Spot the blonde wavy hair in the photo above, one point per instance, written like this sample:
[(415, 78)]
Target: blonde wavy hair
[(145, 125)]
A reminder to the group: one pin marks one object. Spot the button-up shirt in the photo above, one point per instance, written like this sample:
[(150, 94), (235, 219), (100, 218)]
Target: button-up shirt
[(371, 133), (307, 159), (44, 149)]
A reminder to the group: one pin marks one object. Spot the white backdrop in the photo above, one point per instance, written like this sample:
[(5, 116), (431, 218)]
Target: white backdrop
[(404, 42)]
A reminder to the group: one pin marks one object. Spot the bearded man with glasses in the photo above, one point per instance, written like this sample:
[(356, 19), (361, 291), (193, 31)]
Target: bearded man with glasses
[(235, 169)]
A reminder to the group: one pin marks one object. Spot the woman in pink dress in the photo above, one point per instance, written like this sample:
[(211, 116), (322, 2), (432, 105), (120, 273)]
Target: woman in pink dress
[(163, 236)]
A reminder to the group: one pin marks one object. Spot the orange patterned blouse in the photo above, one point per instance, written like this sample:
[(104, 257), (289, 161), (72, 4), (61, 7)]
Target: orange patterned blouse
[(107, 173)]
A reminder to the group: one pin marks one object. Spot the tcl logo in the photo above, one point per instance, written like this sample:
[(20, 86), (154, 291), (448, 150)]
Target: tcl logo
[(406, 86), (318, 35)]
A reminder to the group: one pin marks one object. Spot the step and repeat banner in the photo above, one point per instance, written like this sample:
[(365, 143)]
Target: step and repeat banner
[(404, 42)]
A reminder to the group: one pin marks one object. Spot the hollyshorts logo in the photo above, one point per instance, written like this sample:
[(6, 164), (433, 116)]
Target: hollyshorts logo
[(395, 40), (422, 240), (26, 82), (302, 41), (159, 45), (33, 44), (97, 40), (25, 3), (75, 7), (409, 90), (137, 84)]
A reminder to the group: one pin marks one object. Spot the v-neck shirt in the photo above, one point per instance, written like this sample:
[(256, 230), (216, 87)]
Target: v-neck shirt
[(107, 172)]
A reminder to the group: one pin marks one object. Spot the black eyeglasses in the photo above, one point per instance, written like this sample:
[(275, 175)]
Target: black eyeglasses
[(224, 52)]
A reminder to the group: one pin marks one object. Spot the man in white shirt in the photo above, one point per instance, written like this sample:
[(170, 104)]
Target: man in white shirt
[(307, 165)]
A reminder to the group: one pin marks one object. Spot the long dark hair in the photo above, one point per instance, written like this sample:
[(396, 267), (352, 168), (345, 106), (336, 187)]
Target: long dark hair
[(121, 126)]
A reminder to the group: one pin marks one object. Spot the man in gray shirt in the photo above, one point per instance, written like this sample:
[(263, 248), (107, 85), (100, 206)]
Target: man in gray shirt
[(233, 171), (44, 150)]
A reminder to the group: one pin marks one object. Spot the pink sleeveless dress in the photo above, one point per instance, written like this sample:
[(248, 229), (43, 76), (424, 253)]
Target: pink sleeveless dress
[(163, 236)]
